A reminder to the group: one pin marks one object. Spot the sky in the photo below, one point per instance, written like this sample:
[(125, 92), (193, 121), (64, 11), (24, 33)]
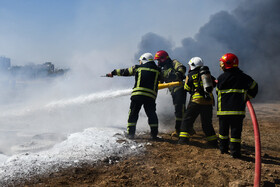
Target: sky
[(64, 31), (93, 37)]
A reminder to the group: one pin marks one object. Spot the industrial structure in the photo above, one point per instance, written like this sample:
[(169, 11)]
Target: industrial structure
[(30, 71)]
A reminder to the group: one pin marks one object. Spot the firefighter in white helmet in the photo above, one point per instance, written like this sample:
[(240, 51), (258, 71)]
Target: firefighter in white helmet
[(199, 83), (147, 75)]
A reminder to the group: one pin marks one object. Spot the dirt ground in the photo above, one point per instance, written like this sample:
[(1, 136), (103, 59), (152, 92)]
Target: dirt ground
[(165, 163)]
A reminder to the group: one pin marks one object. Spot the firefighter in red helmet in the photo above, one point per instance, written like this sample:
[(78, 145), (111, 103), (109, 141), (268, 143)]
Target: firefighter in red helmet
[(233, 88), (173, 70)]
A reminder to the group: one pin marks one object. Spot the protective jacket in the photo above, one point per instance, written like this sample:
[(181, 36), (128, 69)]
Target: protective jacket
[(194, 85), (173, 71), (234, 88), (147, 77)]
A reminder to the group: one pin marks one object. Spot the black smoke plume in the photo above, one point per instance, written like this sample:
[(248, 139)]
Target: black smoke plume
[(251, 31)]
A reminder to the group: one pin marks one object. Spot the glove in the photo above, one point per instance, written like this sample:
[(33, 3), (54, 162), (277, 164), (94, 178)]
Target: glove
[(109, 75)]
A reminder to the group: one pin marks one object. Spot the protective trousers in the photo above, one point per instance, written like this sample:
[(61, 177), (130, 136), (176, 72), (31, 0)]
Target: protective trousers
[(235, 123), (179, 96), (150, 109), (205, 112)]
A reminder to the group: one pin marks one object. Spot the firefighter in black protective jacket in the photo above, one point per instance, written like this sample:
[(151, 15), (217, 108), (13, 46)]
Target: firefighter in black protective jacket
[(173, 71), (147, 76), (200, 84), (234, 88)]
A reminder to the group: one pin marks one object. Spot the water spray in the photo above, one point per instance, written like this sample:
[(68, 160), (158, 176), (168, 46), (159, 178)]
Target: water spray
[(91, 98), (63, 103)]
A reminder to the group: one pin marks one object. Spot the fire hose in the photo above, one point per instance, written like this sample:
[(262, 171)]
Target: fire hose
[(257, 145), (168, 85), (257, 178)]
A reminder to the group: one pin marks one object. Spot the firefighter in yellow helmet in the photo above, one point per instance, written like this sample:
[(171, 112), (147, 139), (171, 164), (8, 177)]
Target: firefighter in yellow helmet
[(173, 71), (144, 93), (233, 88), (199, 83)]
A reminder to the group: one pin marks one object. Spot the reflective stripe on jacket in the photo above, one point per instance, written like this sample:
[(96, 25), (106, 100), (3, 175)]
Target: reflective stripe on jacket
[(194, 85), (233, 89), (173, 71), (147, 77)]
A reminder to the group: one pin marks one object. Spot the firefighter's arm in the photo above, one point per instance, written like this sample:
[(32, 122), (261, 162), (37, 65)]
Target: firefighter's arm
[(172, 74), (214, 82), (253, 90), (187, 85), (180, 69), (180, 73), (168, 74), (161, 76), (122, 72)]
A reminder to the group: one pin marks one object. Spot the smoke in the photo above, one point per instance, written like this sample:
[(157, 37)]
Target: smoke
[(79, 99), (62, 105), (151, 42), (251, 31)]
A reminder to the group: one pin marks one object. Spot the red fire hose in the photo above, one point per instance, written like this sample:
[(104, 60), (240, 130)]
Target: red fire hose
[(257, 145)]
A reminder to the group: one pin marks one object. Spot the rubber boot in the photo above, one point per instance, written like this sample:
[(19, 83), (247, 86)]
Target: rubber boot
[(235, 149), (224, 145), (154, 133), (213, 144), (191, 131), (183, 141), (130, 132)]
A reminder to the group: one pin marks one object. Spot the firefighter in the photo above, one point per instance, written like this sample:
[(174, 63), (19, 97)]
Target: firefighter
[(173, 70), (147, 76), (234, 88), (199, 83)]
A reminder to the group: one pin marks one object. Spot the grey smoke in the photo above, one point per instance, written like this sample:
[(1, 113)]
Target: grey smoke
[(152, 42), (251, 31)]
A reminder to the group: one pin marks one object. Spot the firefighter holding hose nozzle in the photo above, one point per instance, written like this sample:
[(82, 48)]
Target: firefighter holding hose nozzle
[(199, 83), (147, 76), (173, 71), (234, 88)]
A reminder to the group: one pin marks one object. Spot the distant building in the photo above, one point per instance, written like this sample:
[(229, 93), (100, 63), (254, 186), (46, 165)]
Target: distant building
[(5, 63), (30, 71), (33, 71)]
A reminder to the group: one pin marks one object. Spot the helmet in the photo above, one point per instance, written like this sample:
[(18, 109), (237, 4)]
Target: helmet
[(195, 62), (161, 55), (228, 61), (146, 57)]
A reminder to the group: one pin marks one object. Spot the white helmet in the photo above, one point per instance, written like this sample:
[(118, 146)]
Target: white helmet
[(195, 62), (146, 57)]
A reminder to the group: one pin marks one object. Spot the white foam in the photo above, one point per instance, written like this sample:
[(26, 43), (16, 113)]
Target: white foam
[(89, 146)]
